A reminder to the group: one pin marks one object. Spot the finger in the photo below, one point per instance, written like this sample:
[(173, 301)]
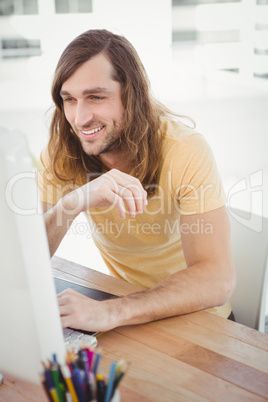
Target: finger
[(64, 296), (61, 299), (128, 188), (65, 300), (136, 196), (69, 292), (145, 199), (128, 198), (64, 310), (116, 200), (131, 190), (128, 181), (66, 291)]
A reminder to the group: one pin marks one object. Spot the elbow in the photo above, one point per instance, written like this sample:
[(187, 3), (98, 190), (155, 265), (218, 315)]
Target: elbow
[(227, 286)]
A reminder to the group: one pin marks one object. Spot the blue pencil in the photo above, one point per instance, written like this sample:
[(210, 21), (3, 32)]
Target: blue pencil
[(78, 384), (96, 363), (110, 386)]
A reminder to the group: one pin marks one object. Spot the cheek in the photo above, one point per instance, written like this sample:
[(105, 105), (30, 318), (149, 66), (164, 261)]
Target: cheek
[(68, 115), (118, 113)]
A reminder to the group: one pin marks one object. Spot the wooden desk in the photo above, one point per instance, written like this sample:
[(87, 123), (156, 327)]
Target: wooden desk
[(193, 357)]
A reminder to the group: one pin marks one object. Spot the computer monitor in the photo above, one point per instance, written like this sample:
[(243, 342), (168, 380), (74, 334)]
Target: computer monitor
[(30, 328)]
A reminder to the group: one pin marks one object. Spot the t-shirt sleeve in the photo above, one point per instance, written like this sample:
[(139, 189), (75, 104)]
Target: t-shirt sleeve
[(195, 178), (51, 190)]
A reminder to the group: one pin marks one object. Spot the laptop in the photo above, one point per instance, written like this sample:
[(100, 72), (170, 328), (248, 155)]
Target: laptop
[(30, 326)]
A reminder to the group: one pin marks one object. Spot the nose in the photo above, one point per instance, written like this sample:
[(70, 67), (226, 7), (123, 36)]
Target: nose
[(83, 115)]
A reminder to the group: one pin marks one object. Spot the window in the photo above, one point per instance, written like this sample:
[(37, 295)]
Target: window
[(73, 6), (222, 35), (14, 48), (17, 7), (196, 2)]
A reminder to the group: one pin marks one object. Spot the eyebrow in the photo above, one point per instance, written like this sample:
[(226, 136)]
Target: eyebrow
[(88, 91)]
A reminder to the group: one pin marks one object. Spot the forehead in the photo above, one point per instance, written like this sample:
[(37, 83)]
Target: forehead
[(96, 72)]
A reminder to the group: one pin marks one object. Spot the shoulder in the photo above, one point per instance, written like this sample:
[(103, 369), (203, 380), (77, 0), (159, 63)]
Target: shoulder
[(181, 140)]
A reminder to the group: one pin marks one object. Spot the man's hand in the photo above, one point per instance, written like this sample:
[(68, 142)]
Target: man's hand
[(113, 188), (81, 312)]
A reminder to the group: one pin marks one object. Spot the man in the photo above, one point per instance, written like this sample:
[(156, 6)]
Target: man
[(148, 184)]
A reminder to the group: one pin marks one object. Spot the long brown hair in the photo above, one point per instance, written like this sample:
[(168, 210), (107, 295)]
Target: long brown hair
[(140, 134)]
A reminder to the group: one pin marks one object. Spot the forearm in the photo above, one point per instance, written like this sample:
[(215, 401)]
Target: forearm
[(208, 281), (58, 219), (181, 293), (113, 188), (195, 288)]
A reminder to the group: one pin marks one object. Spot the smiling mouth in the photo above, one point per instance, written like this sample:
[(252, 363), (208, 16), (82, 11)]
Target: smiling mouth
[(92, 131)]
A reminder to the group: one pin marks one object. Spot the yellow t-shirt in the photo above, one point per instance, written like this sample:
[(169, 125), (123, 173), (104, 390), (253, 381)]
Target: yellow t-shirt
[(145, 249)]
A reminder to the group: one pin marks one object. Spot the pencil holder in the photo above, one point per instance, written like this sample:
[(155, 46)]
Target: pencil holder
[(79, 378)]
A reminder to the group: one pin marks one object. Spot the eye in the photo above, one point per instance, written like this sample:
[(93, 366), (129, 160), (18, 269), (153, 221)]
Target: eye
[(96, 98), (68, 100)]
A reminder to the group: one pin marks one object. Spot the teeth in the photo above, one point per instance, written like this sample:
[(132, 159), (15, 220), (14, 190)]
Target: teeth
[(92, 131)]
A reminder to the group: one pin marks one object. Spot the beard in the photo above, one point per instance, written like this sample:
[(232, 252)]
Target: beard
[(114, 144), (113, 141)]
